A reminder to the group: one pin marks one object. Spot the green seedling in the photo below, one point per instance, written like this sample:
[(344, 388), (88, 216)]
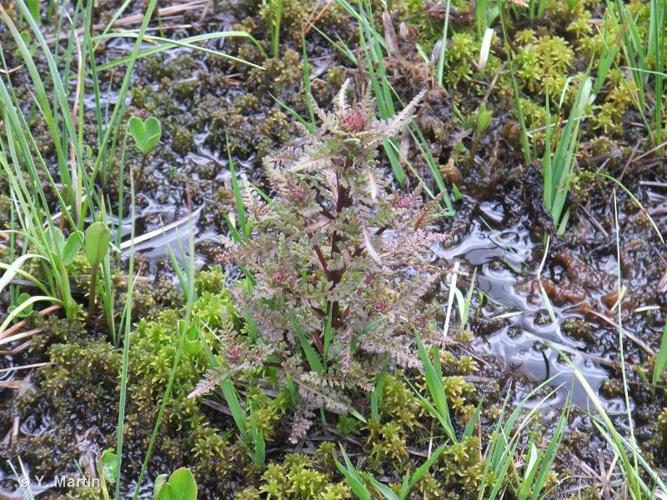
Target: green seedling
[(661, 359), (181, 485), (276, 17), (96, 246), (482, 121), (247, 426), (464, 303), (559, 162), (355, 479), (376, 395), (65, 249), (146, 133), (238, 228), (484, 117), (107, 471), (313, 358), (410, 480), (534, 482), (109, 465), (20, 300), (438, 406)]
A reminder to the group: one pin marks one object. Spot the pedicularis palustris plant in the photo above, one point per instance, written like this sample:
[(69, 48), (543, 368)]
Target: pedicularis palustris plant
[(339, 264)]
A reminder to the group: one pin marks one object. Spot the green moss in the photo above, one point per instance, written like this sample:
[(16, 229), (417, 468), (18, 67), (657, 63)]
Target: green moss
[(535, 114), (463, 49), (462, 465), (154, 344), (215, 310), (467, 365), (267, 411), (429, 487), (606, 118), (214, 456), (211, 280), (185, 89), (459, 393), (583, 184), (55, 329), (581, 27), (246, 104), (326, 456), (462, 365), (662, 434), (578, 328), (543, 65), (250, 493), (387, 442), (278, 72), (347, 425), (611, 388), (156, 68), (296, 478), (78, 391), (429, 27), (399, 402), (182, 141), (85, 493), (81, 379)]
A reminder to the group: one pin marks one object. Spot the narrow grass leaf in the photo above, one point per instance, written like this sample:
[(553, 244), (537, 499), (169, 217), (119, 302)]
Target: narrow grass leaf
[(15, 267), (660, 360), (311, 355), (353, 477)]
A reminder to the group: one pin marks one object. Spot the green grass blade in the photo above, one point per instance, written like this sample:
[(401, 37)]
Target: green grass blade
[(312, 357), (164, 44), (232, 398), (661, 358), (353, 477)]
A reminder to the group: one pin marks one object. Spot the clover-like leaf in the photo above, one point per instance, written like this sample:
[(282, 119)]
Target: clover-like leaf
[(109, 465), (146, 133), (181, 485)]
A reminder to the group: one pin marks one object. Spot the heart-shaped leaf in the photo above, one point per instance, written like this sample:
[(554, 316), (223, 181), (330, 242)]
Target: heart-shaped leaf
[(109, 465), (96, 243), (181, 485), (146, 133), (159, 482)]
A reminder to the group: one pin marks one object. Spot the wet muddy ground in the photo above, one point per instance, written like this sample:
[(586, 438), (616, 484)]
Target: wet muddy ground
[(498, 232)]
